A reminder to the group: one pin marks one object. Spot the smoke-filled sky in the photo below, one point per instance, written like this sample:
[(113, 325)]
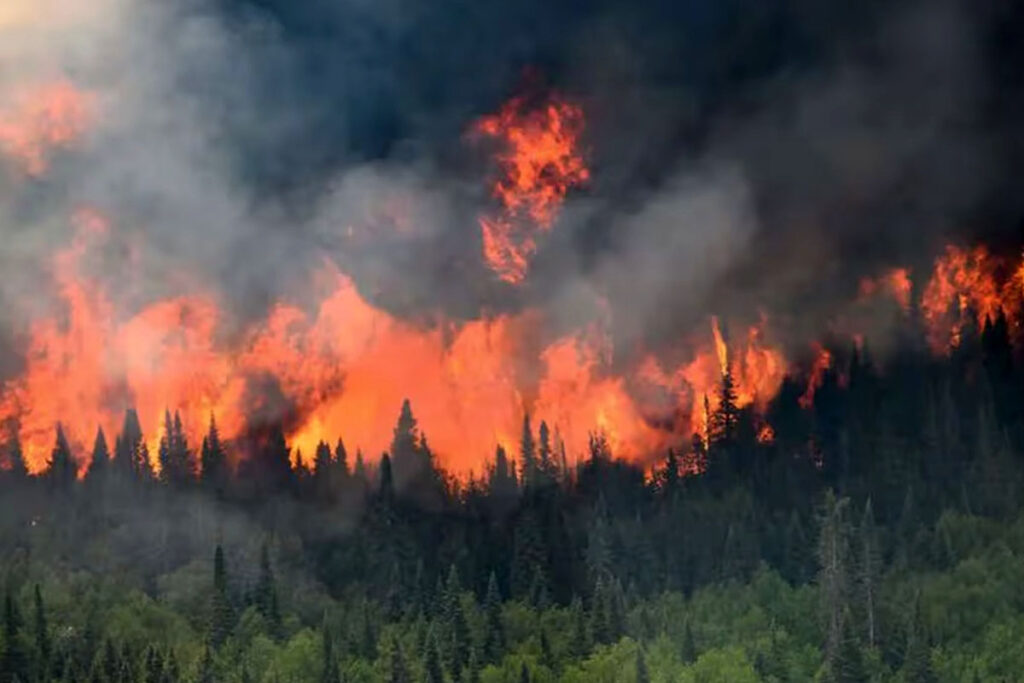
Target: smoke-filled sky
[(775, 146), (744, 156)]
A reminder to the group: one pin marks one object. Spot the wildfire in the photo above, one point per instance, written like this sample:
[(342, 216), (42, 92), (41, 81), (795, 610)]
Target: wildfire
[(964, 283), (342, 369), (896, 283), (42, 119), (755, 369), (539, 162), (822, 363)]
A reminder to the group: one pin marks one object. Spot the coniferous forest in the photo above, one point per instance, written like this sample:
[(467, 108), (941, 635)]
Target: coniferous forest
[(877, 537)]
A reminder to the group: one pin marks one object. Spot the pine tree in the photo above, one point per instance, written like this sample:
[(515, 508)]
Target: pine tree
[(387, 484), (221, 617), (174, 457), (44, 650), (689, 648), (329, 669), (213, 463), (456, 627), (100, 458), (528, 455), (128, 446), (322, 472), (917, 667), (847, 665), (494, 633), (61, 469), (579, 638), (642, 675), (14, 662), (870, 570), (341, 459), (16, 467), (545, 456), (833, 559), (432, 661), (266, 593)]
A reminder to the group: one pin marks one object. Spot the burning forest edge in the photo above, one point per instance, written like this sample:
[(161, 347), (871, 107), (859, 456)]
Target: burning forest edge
[(511, 343)]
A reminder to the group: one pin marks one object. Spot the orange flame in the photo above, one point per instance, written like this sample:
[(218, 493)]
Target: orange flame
[(40, 120), (539, 163), (896, 283), (340, 370), (822, 363), (964, 281)]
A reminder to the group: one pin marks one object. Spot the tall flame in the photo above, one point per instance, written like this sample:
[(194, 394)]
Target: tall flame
[(539, 162)]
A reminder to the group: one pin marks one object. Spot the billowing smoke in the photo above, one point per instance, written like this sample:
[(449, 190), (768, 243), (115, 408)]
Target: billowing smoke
[(743, 160)]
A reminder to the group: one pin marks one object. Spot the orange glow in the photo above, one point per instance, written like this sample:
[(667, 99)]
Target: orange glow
[(822, 363), (539, 162), (963, 281), (341, 369), (40, 120), (896, 283), (756, 368)]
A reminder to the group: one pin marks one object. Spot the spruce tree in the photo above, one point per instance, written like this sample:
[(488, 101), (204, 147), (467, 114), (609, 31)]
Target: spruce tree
[(266, 593), (221, 617), (329, 672), (100, 458), (61, 469), (642, 675), (917, 666), (870, 571), (432, 661), (528, 455), (213, 465), (44, 650), (16, 467), (494, 633), (14, 661), (833, 577)]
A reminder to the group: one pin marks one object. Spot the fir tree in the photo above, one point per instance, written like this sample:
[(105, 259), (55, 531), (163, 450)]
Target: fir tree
[(329, 668), (61, 469), (456, 627), (870, 570), (14, 661), (16, 467), (100, 458), (494, 633), (221, 617), (44, 650), (266, 592), (917, 667), (432, 661), (213, 465), (642, 675), (833, 558), (528, 455)]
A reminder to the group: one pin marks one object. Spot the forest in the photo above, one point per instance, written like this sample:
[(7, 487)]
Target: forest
[(877, 536)]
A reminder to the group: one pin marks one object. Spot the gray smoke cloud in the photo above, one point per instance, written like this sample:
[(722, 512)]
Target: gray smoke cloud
[(743, 157)]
